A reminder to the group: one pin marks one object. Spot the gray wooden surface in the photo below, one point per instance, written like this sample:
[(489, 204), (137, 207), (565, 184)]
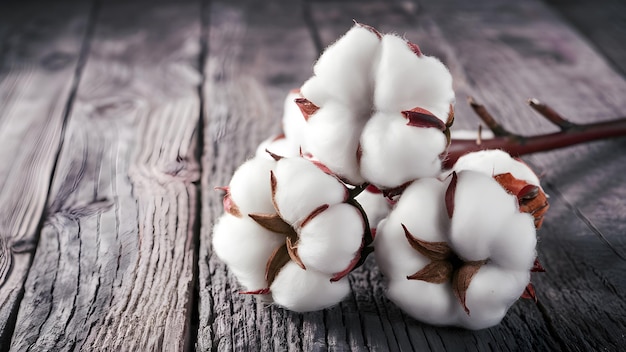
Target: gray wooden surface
[(117, 119)]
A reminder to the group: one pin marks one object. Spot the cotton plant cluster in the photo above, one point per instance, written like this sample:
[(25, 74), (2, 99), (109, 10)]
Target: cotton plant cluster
[(358, 169)]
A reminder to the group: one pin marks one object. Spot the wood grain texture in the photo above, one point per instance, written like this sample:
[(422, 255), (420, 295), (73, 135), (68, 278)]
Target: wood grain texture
[(602, 22), (39, 51), (114, 267), (257, 52)]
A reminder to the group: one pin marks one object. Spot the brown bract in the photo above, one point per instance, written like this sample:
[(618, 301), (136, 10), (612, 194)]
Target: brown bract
[(229, 206), (445, 266), (531, 198), (306, 107)]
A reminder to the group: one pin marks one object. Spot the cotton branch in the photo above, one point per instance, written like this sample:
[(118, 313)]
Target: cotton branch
[(570, 134)]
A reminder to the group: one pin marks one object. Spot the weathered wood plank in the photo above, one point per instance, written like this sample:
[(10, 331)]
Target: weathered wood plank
[(512, 51), (257, 52), (115, 263), (39, 52), (603, 23)]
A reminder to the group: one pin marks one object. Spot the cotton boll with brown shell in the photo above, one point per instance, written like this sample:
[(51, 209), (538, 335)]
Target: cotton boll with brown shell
[(372, 94), (463, 240)]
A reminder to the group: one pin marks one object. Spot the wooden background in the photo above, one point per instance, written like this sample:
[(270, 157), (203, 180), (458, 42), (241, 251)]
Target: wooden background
[(118, 118)]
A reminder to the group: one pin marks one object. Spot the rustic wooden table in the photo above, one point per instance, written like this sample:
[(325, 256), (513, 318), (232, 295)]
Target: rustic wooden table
[(117, 119)]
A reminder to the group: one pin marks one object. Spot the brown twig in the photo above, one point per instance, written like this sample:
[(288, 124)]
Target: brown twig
[(570, 133)]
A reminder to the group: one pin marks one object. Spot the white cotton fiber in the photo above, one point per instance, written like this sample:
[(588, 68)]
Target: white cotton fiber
[(301, 188), (485, 226), (332, 136), (375, 206), (490, 295), (394, 153), (431, 303), (306, 290), (250, 187), (514, 247), (419, 209), (278, 145), (294, 124), (495, 162), (245, 247), (343, 72), (331, 239), (405, 81), (481, 208)]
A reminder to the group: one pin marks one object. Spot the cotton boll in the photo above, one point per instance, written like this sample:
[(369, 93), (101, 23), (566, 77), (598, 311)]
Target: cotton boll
[(490, 294), (481, 208), (306, 290), (514, 247), (495, 162), (344, 69), (431, 303), (301, 188), (394, 153), (330, 240), (245, 247), (419, 209), (250, 186), (375, 205), (405, 81), (332, 136)]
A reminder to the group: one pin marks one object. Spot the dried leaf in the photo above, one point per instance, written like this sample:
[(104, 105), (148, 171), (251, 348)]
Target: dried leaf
[(529, 293), (274, 223), (450, 192), (263, 291), (314, 213), (279, 258), (369, 28), (435, 251), (462, 278), (436, 272), (306, 107), (537, 267), (274, 156), (531, 199), (529, 192), (450, 119), (229, 205), (274, 185), (419, 117), (293, 253), (415, 49)]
